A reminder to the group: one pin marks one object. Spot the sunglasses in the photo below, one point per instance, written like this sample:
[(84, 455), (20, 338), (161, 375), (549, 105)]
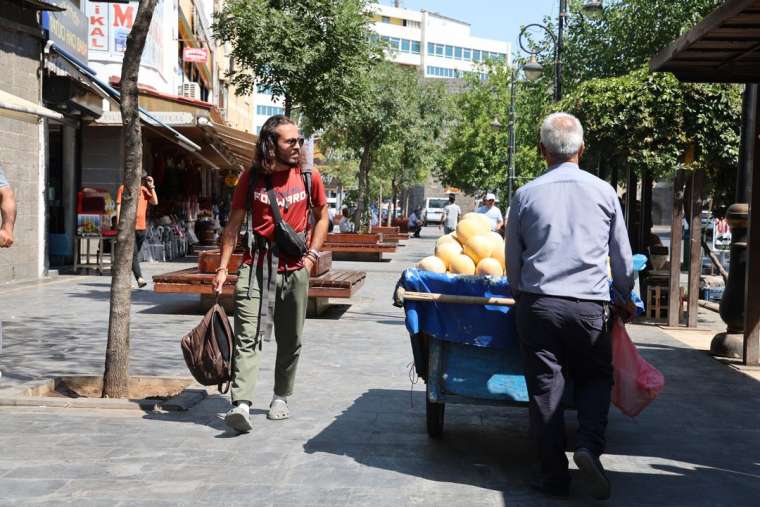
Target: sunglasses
[(295, 141)]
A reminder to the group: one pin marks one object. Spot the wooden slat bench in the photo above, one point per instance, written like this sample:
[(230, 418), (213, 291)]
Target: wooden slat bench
[(323, 284), (351, 245), (391, 234)]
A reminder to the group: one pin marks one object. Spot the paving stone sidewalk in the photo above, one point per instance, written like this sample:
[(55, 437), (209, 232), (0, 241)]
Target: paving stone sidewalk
[(357, 436)]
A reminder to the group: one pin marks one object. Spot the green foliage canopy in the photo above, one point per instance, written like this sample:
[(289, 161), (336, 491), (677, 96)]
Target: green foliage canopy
[(308, 52)]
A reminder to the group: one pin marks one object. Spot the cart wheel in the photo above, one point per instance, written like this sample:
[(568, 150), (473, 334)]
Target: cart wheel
[(434, 415)]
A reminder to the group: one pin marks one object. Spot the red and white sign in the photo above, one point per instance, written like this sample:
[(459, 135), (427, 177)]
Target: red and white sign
[(195, 55)]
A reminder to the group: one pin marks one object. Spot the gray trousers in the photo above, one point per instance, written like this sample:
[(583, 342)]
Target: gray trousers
[(565, 339)]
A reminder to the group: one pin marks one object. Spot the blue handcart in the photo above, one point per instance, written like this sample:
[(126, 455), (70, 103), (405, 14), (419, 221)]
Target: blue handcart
[(466, 353)]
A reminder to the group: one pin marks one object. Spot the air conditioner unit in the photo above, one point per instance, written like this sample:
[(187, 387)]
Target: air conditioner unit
[(190, 90)]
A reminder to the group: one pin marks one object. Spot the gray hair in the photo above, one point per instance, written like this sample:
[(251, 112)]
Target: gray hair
[(562, 135)]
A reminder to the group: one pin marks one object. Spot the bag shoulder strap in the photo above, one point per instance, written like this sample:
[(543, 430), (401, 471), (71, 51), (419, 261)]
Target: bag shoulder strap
[(273, 201), (306, 175)]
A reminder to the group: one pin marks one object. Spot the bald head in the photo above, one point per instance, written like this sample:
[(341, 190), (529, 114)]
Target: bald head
[(561, 138)]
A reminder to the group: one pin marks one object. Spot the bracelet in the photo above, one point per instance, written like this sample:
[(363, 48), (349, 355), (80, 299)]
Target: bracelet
[(222, 269)]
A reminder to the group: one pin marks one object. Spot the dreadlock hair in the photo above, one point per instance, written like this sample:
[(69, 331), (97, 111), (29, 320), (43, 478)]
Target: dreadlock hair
[(265, 155)]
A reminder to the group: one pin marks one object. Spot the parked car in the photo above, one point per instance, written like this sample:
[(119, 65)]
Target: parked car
[(433, 211)]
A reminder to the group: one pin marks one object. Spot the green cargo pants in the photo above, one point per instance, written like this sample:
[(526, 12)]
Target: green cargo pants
[(289, 314)]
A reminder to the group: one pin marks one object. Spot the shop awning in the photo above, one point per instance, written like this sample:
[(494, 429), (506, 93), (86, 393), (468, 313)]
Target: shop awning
[(723, 48), (221, 147), (147, 117), (22, 109), (241, 145)]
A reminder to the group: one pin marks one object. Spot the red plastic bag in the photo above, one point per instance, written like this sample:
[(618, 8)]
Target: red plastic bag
[(637, 383)]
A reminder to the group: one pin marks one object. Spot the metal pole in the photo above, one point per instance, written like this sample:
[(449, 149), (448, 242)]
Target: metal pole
[(560, 47), (512, 112)]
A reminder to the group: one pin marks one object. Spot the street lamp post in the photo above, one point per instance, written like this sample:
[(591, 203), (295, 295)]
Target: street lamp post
[(534, 70)]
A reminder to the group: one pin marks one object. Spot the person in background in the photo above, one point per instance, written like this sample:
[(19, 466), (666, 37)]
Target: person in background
[(451, 214), (147, 195), (331, 212), (7, 211), (492, 212), (415, 222), (346, 225), (562, 228)]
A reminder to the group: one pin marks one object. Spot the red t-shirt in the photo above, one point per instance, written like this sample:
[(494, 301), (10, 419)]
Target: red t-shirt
[(289, 188)]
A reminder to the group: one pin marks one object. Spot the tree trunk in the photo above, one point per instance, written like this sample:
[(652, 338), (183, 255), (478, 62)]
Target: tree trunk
[(116, 374), (392, 205), (288, 105), (361, 220)]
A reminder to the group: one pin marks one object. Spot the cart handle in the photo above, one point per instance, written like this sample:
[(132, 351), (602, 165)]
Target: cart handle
[(402, 295)]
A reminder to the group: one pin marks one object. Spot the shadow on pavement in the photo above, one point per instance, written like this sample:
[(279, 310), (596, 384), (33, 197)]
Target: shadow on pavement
[(697, 444)]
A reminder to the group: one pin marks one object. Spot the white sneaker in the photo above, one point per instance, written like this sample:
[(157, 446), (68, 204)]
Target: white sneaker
[(278, 410), (239, 418)]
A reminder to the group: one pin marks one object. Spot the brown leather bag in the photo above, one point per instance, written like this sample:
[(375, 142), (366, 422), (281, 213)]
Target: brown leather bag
[(208, 350)]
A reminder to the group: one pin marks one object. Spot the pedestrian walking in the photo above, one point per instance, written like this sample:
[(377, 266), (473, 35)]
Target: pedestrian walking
[(451, 214), (276, 195), (562, 227), (7, 211), (147, 195), (492, 212)]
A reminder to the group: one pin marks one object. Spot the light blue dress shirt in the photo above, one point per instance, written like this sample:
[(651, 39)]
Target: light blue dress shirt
[(561, 229)]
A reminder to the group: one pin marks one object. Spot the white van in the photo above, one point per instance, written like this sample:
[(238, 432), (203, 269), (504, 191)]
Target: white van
[(433, 212)]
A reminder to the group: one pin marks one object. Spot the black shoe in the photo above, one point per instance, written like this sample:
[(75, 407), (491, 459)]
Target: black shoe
[(551, 489), (593, 473)]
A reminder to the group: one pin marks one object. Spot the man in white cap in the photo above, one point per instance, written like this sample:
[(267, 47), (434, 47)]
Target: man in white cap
[(492, 212)]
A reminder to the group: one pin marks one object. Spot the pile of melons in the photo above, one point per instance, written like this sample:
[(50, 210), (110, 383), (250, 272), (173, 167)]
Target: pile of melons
[(472, 250)]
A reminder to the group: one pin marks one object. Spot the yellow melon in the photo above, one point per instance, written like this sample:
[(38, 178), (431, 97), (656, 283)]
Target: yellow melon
[(432, 264), (479, 217), (497, 242), (478, 248), (499, 256), (447, 251), (462, 265), (490, 267), (468, 229), (446, 238)]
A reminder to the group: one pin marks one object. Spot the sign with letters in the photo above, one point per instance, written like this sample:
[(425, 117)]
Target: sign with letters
[(195, 55), (68, 29)]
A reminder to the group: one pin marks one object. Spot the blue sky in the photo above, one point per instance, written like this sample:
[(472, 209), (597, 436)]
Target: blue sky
[(491, 19)]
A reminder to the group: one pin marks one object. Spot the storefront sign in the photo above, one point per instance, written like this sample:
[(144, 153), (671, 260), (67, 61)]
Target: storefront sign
[(68, 29), (110, 24), (195, 55), (173, 119)]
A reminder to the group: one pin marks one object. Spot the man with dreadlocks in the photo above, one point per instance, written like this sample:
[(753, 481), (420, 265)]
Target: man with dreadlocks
[(273, 198)]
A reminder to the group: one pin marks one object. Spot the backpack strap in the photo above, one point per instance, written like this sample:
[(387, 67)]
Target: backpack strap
[(306, 175)]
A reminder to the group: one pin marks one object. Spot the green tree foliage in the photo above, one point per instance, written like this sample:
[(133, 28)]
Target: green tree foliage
[(308, 52), (474, 158), (647, 121), (627, 36), (396, 117)]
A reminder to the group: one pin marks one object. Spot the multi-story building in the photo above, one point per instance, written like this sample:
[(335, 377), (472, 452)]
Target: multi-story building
[(439, 46)]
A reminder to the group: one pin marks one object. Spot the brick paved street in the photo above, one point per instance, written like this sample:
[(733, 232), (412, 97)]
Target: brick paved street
[(357, 435)]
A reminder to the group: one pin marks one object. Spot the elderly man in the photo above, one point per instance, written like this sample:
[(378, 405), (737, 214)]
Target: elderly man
[(561, 229)]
